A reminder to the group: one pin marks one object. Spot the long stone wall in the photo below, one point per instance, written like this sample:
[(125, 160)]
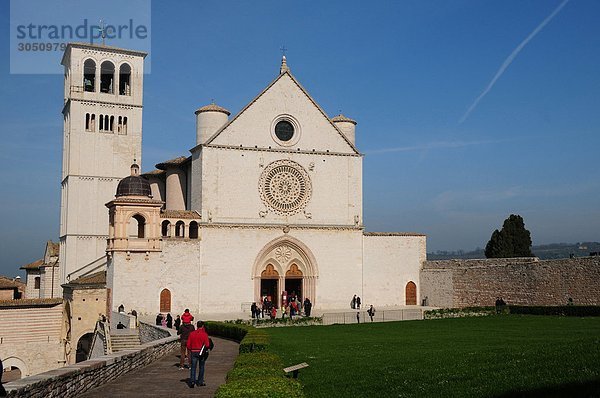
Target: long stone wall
[(521, 281), (72, 380)]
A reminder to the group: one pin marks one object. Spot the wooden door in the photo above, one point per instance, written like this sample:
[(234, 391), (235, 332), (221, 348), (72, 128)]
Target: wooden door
[(165, 301), (411, 293)]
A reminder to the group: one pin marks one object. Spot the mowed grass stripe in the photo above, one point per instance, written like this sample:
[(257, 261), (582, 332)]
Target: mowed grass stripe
[(465, 357)]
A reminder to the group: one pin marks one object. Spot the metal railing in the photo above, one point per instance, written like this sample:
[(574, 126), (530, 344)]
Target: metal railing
[(379, 316)]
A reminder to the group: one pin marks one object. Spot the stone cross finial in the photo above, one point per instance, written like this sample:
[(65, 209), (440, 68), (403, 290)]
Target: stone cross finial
[(284, 67)]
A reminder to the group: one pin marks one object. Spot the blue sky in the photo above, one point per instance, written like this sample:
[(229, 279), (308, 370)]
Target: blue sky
[(407, 71)]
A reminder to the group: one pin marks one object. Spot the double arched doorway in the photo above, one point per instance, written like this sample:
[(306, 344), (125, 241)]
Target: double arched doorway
[(285, 264)]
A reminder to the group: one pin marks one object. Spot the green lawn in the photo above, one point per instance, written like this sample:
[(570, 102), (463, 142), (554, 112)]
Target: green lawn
[(498, 356)]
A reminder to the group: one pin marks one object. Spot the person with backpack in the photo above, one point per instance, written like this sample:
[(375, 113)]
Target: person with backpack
[(198, 344), (371, 312), (184, 333)]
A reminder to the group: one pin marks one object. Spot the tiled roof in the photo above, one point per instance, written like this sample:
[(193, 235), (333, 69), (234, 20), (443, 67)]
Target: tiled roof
[(31, 302), (393, 234), (342, 118), (172, 162), (180, 214), (34, 265), (154, 173), (10, 283), (213, 108), (99, 278)]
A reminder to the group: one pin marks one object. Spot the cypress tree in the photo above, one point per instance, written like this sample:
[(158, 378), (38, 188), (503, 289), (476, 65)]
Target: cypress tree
[(513, 240)]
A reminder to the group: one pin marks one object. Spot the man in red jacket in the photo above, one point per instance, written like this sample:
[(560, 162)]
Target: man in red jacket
[(198, 344), (187, 317)]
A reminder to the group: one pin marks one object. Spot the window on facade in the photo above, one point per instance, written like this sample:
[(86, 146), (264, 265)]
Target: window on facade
[(111, 124), (166, 229), (179, 229), (89, 76), (87, 122), (137, 226), (107, 77), (101, 127), (125, 80), (36, 282), (193, 233)]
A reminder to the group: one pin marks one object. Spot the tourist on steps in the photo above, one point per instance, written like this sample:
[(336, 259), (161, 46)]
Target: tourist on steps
[(184, 333)]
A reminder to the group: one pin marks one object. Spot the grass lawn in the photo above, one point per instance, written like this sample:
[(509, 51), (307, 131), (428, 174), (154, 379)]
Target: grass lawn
[(496, 356)]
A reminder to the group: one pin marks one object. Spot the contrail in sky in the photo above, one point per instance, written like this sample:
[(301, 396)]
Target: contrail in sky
[(511, 58)]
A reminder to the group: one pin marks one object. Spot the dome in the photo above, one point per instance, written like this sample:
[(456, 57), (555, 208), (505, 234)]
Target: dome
[(134, 185), (341, 118), (213, 108)]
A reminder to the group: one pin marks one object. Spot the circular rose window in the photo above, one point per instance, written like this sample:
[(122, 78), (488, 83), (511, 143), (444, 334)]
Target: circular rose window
[(285, 187)]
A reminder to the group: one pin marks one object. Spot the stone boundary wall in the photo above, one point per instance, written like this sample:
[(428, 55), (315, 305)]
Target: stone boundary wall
[(150, 332), (519, 281), (73, 380)]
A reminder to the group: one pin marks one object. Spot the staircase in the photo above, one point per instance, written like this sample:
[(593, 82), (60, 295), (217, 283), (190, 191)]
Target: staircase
[(124, 341)]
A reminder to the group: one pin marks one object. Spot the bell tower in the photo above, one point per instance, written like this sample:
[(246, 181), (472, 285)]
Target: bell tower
[(102, 113)]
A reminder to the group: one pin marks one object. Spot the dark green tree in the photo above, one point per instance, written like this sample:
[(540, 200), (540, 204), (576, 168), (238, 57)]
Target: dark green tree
[(513, 240)]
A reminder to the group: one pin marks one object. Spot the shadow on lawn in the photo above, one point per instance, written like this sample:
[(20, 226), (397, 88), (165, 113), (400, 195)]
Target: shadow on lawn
[(588, 389)]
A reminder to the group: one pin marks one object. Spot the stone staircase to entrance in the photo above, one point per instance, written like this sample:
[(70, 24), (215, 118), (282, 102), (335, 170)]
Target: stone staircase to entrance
[(125, 341)]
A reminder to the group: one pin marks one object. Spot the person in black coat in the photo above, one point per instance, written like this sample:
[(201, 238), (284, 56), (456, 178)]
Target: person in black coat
[(169, 321)]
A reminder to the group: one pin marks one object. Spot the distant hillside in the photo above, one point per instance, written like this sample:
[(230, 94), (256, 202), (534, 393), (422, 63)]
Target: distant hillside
[(544, 252)]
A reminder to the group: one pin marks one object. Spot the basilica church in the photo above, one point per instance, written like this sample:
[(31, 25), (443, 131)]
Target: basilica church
[(267, 203)]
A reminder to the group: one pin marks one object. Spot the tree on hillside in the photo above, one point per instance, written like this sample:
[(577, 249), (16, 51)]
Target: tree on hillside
[(513, 240)]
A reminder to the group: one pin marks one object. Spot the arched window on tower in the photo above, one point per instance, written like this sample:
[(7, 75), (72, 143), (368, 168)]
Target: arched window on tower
[(101, 127), (124, 129), (111, 124), (137, 226), (89, 75), (179, 233), (166, 229), (87, 122), (193, 233), (125, 80), (107, 77)]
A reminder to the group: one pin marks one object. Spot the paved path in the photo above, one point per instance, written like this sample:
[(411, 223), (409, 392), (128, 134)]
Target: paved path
[(164, 379)]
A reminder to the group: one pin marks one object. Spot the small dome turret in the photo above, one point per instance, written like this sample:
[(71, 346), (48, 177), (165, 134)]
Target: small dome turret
[(134, 185), (209, 119), (347, 126)]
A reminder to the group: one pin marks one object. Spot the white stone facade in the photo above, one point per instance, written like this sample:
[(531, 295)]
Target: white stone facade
[(275, 197)]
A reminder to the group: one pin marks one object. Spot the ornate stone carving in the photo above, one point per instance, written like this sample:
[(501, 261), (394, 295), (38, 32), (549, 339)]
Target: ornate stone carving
[(283, 254), (269, 272), (294, 272), (285, 187)]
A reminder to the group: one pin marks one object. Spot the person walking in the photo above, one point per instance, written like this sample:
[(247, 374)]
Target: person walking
[(307, 307), (358, 303), (198, 343), (353, 302), (186, 317), (177, 323), (169, 321), (371, 312), (184, 333)]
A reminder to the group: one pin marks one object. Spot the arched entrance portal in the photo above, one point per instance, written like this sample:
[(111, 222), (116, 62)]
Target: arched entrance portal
[(83, 347), (165, 300), (285, 264), (293, 282), (268, 284), (411, 293)]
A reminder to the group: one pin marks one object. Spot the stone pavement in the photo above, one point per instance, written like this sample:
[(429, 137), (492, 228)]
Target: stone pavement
[(164, 379)]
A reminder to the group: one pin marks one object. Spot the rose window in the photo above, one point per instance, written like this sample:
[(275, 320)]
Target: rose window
[(285, 187)]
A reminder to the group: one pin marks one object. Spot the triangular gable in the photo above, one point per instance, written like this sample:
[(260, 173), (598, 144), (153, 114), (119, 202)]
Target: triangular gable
[(345, 146)]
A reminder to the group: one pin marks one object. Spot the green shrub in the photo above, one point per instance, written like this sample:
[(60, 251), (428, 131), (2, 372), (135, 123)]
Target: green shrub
[(263, 358), (269, 387), (564, 310), (459, 312), (227, 330), (254, 372)]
